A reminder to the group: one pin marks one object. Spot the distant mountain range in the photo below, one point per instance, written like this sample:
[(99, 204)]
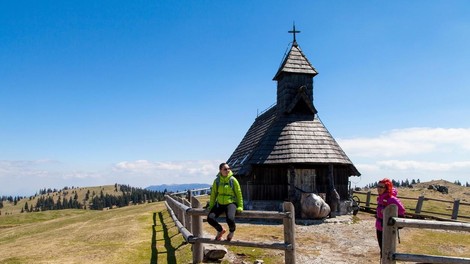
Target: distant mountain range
[(178, 187)]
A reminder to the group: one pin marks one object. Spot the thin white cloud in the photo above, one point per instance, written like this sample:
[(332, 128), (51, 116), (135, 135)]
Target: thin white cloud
[(419, 153), (24, 167), (406, 165), (148, 172), (414, 153), (411, 141)]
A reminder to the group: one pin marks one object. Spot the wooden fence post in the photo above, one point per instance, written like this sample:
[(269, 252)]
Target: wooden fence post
[(419, 204), (289, 232), (187, 219), (389, 236), (196, 224), (455, 211), (368, 200)]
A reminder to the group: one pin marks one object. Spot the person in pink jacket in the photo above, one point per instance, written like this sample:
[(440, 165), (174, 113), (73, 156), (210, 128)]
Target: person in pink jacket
[(387, 195)]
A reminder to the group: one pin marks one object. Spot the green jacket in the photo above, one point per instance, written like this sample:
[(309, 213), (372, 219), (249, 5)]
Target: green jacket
[(224, 194)]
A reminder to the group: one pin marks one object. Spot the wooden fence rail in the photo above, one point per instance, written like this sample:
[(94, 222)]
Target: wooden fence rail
[(390, 231), (188, 219), (418, 210), (193, 192)]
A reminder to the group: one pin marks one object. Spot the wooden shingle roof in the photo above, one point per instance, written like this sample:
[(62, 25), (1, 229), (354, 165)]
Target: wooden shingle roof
[(296, 62), (287, 139), (242, 154)]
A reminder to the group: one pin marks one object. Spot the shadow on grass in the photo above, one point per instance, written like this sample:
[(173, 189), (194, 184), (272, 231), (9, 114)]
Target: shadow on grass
[(170, 250)]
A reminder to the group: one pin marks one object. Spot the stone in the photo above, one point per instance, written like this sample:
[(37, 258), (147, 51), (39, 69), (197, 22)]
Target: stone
[(214, 252), (313, 206)]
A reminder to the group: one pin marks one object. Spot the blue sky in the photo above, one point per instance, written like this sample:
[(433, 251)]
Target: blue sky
[(160, 92)]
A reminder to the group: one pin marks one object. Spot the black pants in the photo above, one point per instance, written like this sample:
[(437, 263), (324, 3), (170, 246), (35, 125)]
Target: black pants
[(217, 210), (379, 239)]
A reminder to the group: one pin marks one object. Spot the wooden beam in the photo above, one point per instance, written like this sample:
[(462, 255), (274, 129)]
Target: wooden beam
[(430, 259), (281, 246)]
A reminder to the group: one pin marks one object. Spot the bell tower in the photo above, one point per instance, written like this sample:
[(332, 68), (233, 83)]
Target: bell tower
[(295, 76)]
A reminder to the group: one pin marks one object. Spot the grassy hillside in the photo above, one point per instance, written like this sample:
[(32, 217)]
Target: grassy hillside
[(10, 208), (134, 234), (145, 233), (124, 235), (455, 192)]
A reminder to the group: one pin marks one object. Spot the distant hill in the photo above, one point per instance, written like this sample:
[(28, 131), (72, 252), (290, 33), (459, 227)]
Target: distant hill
[(178, 187)]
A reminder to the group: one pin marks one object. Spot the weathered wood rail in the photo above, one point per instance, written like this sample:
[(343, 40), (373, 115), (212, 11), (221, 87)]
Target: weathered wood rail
[(188, 218), (390, 231), (193, 192), (418, 212)]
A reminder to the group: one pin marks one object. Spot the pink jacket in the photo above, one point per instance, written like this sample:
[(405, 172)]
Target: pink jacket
[(382, 202)]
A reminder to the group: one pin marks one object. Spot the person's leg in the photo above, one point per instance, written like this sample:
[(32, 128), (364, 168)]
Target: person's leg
[(212, 217), (379, 239), (230, 213)]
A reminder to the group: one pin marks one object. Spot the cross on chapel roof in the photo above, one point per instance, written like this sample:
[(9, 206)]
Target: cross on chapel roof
[(293, 31)]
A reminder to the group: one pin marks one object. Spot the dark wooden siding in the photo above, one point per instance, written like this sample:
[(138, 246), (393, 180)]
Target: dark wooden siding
[(265, 183), (271, 182)]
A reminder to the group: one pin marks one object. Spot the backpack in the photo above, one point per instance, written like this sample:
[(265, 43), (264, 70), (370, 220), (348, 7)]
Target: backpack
[(230, 181)]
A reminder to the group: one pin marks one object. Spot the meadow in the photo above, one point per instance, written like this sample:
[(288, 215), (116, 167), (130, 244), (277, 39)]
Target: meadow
[(145, 233)]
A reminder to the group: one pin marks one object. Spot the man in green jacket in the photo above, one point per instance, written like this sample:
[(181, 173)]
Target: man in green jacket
[(226, 197)]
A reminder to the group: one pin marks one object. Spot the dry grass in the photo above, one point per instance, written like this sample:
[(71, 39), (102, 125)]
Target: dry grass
[(9, 208), (455, 192), (121, 235), (145, 233), (434, 242)]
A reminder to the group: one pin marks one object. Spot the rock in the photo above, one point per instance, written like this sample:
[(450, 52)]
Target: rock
[(440, 188), (258, 261), (214, 252), (313, 206)]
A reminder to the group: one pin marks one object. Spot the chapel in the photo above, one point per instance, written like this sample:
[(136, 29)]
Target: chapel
[(287, 150)]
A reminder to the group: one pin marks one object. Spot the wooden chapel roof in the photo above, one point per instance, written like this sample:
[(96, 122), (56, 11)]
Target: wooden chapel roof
[(287, 139)]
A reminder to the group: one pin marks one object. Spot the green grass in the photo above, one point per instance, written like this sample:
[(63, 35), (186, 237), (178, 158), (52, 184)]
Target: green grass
[(430, 207), (434, 242), (63, 194), (146, 234), (123, 235)]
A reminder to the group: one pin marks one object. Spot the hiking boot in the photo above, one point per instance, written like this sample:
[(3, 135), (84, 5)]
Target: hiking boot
[(220, 234), (230, 236)]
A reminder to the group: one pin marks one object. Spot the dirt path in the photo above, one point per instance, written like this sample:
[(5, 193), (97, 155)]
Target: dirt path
[(338, 240), (344, 239)]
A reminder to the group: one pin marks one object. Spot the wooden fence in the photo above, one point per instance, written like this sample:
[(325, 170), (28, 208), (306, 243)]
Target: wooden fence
[(390, 231), (418, 212), (188, 218), (193, 192)]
